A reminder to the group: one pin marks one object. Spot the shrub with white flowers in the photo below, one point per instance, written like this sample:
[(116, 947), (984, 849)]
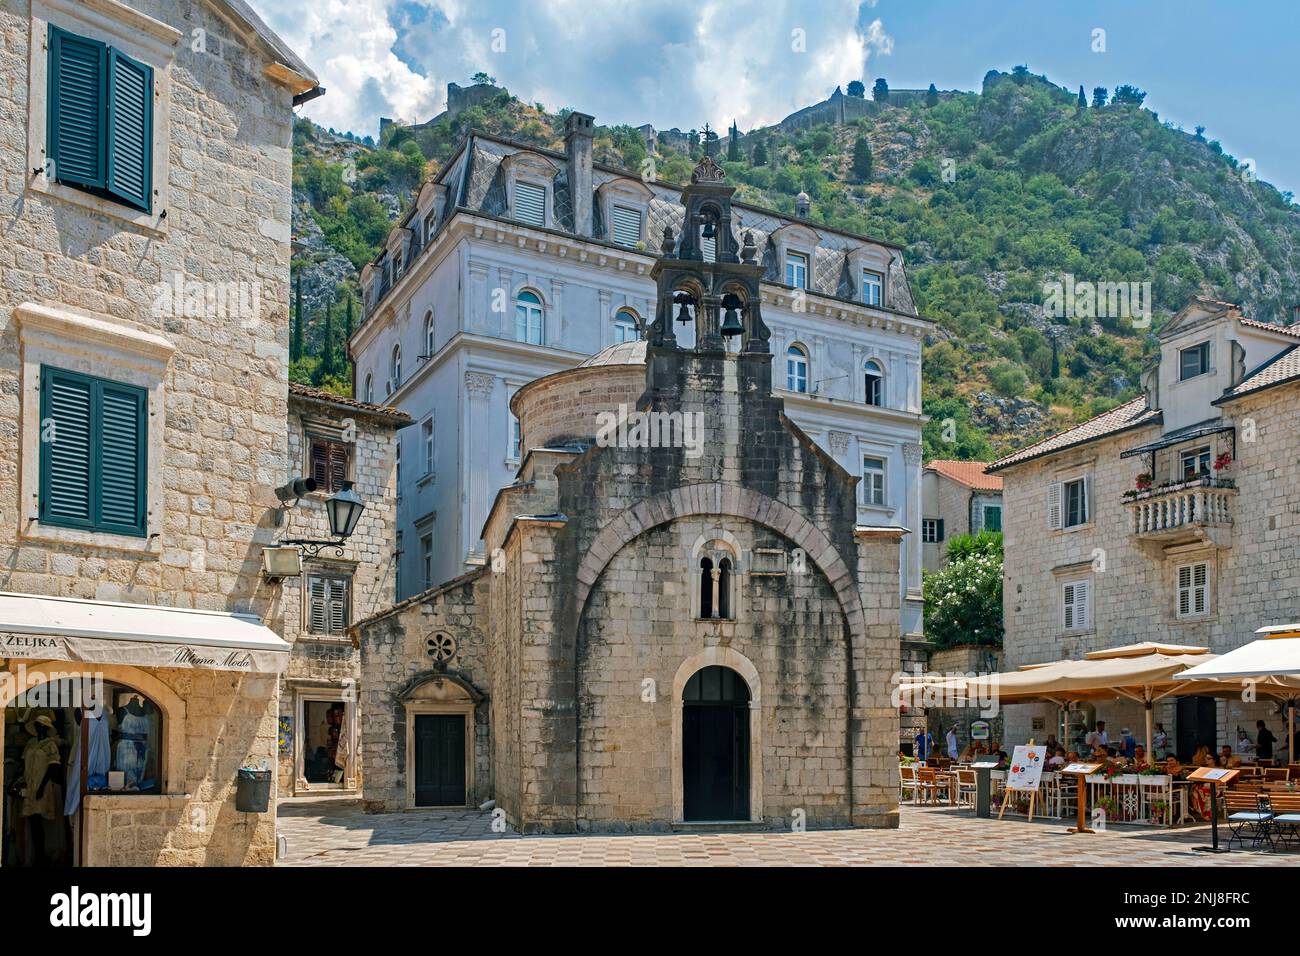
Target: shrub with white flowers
[(963, 601)]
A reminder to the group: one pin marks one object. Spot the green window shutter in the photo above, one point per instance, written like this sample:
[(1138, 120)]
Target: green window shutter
[(66, 437), (78, 79), (122, 459), (130, 130), (94, 453)]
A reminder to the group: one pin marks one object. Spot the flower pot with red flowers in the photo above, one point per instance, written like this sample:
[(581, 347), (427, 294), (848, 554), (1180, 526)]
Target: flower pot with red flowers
[(1143, 482)]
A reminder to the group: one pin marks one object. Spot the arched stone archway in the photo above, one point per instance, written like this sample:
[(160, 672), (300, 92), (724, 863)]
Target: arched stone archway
[(716, 498), (742, 665)]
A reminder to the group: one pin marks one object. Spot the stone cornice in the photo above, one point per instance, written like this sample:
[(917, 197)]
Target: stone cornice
[(85, 329)]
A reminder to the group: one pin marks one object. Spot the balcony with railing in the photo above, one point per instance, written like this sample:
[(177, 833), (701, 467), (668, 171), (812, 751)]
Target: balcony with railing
[(1197, 509)]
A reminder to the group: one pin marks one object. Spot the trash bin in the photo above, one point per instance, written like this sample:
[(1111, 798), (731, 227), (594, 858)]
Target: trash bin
[(253, 791)]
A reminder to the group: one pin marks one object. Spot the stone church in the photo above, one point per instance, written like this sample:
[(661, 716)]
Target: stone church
[(681, 621)]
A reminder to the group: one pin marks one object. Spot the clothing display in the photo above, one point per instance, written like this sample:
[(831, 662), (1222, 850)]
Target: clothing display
[(133, 747), (96, 767), (39, 755)]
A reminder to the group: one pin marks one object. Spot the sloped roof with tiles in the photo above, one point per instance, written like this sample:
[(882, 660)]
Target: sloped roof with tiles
[(972, 474), (394, 416), (1121, 418), (1281, 368)]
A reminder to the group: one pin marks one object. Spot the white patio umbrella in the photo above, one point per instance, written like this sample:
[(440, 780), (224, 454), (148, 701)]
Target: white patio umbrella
[(1272, 661)]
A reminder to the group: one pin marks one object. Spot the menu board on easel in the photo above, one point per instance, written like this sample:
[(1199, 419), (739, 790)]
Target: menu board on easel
[(1024, 774), (1026, 768)]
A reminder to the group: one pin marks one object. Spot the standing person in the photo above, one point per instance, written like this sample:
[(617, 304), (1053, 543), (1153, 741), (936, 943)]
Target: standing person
[(1264, 741), (952, 742), (924, 744), (1128, 745), (1160, 741)]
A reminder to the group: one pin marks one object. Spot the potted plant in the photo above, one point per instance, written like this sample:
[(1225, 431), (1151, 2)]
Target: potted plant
[(1143, 481), (1222, 461), (1159, 810)]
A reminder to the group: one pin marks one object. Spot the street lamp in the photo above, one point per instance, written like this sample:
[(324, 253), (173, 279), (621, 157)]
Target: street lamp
[(343, 508)]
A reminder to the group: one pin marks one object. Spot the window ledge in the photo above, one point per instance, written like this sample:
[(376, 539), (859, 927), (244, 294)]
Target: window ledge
[(152, 224), (424, 479), (34, 531)]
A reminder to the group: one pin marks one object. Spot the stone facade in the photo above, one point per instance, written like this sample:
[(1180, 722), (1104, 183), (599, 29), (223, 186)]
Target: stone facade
[(955, 498), (85, 287), (575, 646), (1239, 523), (325, 667)]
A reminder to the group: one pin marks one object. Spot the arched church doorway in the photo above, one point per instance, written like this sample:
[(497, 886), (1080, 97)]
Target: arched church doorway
[(715, 745)]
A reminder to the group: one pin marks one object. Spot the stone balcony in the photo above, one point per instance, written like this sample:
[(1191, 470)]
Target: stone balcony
[(1190, 511)]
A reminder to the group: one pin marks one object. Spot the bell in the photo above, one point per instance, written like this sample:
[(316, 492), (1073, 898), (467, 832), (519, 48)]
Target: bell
[(731, 323), (709, 232), (683, 316)]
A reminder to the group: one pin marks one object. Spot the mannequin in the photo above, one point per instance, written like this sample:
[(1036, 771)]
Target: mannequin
[(100, 756), (42, 798), (133, 725)]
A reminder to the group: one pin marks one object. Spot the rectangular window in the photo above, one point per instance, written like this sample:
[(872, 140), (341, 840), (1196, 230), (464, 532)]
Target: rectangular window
[(627, 225), (873, 285), (329, 463), (796, 270), (426, 442), (992, 518), (94, 453), (1076, 605), (530, 203), (1194, 463), (1194, 361), (515, 446), (1193, 589), (426, 560), (1067, 503), (100, 119), (931, 530), (328, 603), (873, 481)]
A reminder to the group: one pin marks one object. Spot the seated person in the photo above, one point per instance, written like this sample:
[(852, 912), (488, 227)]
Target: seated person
[(1140, 756), (1057, 760), (968, 754), (1202, 757), (1224, 755)]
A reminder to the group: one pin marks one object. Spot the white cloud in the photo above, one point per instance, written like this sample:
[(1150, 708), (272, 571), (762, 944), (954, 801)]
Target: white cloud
[(670, 63)]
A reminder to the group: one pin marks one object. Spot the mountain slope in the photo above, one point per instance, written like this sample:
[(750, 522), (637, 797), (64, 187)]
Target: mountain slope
[(993, 194)]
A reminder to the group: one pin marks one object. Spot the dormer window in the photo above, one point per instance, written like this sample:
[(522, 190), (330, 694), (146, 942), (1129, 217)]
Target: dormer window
[(626, 225), (873, 286), (1194, 361), (530, 203), (796, 270)]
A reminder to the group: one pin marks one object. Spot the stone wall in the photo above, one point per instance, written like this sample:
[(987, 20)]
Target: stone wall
[(217, 445), (1253, 579)]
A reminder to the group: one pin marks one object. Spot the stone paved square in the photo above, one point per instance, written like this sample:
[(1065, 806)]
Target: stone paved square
[(338, 833)]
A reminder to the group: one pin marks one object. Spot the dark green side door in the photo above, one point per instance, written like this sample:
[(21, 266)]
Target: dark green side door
[(439, 760)]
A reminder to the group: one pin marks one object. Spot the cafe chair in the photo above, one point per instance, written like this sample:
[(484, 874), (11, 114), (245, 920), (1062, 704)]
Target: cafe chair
[(1248, 815), (1285, 808)]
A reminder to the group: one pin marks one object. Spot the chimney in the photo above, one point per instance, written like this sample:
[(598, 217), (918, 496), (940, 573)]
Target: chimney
[(578, 131), (1295, 314)]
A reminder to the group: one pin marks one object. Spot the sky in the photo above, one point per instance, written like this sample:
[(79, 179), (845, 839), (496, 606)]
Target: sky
[(1230, 67)]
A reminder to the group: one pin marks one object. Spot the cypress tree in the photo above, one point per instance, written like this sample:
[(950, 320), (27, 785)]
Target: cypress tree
[(327, 367), (760, 154), (1083, 100), (295, 338), (932, 96), (862, 159), (733, 144)]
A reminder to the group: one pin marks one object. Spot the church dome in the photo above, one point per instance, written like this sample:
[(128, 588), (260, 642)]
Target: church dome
[(623, 353), (563, 409)]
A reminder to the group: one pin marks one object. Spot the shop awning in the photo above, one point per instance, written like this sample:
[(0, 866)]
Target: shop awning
[(34, 627), (1203, 430)]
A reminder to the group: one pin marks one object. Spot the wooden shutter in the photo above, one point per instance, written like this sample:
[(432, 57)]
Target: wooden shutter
[(317, 613), (338, 461), (1184, 590), (940, 530), (1075, 605), (1054, 506), (320, 471), (78, 77), (1087, 498), (530, 203), (627, 226), (338, 605), (130, 130), (1200, 576), (1067, 603), (67, 438), (122, 457)]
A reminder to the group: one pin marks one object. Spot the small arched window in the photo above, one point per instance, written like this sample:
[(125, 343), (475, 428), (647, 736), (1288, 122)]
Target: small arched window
[(428, 334), (706, 587), (395, 369), (724, 589), (875, 382), (369, 393), (528, 318), (625, 326), (796, 369)]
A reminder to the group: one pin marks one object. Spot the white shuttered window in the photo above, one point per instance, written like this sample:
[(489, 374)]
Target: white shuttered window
[(530, 203), (1076, 605), (1193, 589), (627, 225)]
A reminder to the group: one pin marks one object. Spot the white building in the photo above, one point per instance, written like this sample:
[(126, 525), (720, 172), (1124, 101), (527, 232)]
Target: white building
[(517, 262)]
